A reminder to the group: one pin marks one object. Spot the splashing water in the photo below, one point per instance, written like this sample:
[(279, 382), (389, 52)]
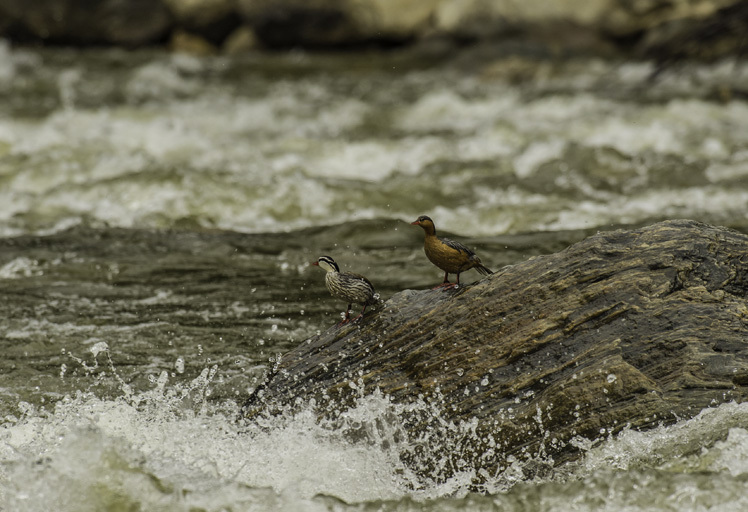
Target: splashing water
[(172, 448)]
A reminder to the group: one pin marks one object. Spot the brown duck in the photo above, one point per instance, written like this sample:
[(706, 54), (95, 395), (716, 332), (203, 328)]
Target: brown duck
[(450, 256)]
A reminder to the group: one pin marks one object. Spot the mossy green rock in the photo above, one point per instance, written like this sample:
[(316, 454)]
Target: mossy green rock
[(626, 328)]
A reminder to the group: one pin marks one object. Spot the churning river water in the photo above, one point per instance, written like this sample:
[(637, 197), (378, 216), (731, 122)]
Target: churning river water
[(158, 214)]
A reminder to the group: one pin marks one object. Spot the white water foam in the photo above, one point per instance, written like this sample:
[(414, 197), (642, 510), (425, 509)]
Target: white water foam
[(302, 153), (168, 446), (172, 448), (20, 267)]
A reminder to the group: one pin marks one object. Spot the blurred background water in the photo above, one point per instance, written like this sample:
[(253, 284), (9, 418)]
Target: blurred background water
[(158, 214)]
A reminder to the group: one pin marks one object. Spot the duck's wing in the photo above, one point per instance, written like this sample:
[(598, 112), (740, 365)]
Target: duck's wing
[(458, 246), (356, 277), (358, 288)]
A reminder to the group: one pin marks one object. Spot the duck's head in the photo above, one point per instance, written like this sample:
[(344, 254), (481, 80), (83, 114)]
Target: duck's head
[(426, 223), (327, 263)]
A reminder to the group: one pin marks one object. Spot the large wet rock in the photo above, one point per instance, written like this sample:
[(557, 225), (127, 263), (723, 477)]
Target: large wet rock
[(626, 328)]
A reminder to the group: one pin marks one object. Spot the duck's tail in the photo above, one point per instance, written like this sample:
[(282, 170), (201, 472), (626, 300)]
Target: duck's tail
[(483, 270)]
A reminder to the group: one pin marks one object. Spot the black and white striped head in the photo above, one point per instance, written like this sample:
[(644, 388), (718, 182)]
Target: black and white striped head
[(327, 263)]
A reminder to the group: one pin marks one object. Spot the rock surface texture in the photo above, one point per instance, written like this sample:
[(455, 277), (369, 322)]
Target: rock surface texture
[(627, 328)]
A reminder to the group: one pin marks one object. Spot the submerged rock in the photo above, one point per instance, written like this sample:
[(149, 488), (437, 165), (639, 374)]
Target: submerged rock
[(631, 328)]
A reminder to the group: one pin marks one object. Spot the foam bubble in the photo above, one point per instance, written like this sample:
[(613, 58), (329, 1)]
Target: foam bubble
[(20, 267), (444, 109), (536, 154)]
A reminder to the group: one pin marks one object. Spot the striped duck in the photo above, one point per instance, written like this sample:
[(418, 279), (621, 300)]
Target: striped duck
[(351, 287)]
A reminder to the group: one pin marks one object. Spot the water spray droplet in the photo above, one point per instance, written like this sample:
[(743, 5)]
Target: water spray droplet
[(99, 347)]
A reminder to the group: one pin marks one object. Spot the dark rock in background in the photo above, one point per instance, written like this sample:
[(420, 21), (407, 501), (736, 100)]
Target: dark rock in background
[(626, 328), (724, 32), (648, 28), (213, 20), (94, 22)]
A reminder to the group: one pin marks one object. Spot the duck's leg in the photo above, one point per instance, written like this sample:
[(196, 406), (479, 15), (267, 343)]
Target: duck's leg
[(360, 315), (347, 317), (446, 282)]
